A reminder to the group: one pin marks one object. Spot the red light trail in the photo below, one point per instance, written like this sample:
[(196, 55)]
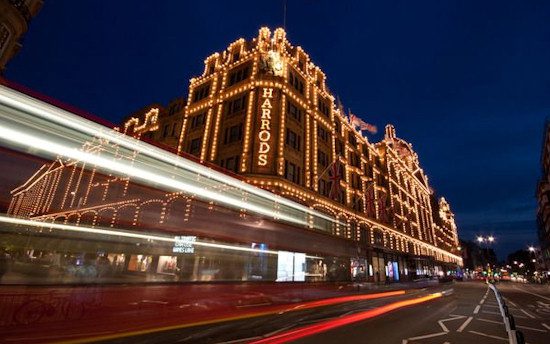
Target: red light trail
[(332, 324)]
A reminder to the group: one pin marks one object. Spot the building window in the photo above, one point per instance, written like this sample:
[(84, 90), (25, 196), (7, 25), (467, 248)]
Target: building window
[(292, 139), (231, 164), (294, 111), (211, 68), (322, 133), (292, 172), (357, 203), (352, 140), (198, 120), (322, 158), (174, 128), (238, 75), (4, 37), (235, 106), (354, 160), (366, 152), (323, 107), (236, 56), (339, 147), (355, 181), (165, 130), (233, 134), (296, 82), (201, 92), (337, 127), (323, 187), (195, 146)]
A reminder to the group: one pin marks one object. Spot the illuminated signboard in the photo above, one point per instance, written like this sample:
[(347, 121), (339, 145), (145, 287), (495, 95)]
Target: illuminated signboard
[(184, 244), (264, 135)]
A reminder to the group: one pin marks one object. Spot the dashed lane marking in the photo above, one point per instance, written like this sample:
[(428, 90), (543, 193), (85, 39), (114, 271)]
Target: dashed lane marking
[(476, 310), (544, 325), (482, 301)]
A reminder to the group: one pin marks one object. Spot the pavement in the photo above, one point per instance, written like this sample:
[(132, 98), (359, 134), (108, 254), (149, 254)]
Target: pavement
[(466, 312)]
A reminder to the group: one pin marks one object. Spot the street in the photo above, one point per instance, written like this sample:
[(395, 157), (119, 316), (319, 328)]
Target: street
[(466, 312)]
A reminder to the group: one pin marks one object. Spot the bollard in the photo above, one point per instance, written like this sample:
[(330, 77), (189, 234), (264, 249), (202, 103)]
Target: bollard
[(511, 321), (519, 337)]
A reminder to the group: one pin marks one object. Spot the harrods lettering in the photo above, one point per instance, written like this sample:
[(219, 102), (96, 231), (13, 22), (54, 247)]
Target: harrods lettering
[(265, 126)]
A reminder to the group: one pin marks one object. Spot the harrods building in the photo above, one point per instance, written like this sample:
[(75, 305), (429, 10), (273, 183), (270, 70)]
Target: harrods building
[(262, 109), (262, 112)]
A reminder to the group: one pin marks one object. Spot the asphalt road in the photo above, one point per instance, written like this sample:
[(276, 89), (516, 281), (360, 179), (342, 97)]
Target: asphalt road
[(467, 313), (530, 305)]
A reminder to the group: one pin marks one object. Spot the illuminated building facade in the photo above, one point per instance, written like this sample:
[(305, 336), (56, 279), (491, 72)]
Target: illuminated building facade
[(262, 110), (543, 196), (269, 115), (15, 17)]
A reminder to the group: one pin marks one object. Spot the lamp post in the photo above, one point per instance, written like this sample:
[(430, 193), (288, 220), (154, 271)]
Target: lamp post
[(535, 251), (486, 241)]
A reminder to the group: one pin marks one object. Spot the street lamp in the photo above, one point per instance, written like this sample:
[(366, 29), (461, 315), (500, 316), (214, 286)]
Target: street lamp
[(531, 249), (480, 239), (491, 238)]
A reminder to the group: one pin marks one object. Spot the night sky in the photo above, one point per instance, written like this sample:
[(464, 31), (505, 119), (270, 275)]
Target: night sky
[(467, 82)]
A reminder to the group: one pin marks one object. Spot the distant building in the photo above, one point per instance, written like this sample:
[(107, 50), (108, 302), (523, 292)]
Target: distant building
[(476, 257), (543, 195), (15, 17)]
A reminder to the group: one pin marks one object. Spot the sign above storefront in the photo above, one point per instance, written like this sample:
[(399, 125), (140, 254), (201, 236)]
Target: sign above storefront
[(184, 244)]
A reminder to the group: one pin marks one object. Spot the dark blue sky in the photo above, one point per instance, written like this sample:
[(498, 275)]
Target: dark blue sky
[(467, 82)]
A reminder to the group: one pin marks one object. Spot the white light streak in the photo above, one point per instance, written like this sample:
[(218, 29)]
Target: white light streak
[(121, 167), (66, 119)]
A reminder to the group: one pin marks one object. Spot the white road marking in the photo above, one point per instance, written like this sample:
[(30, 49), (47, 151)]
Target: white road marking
[(443, 326), (428, 336), (404, 341), (440, 322), (544, 325), (476, 310), (493, 306), (510, 302), (531, 328), (498, 313), (482, 301), (529, 315), (528, 292), (463, 326), (490, 321), (488, 335)]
